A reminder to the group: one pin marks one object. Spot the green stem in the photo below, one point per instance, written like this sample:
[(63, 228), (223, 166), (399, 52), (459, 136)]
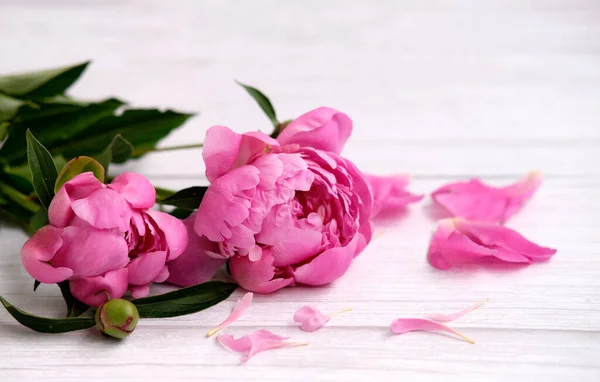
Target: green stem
[(180, 147), (21, 199)]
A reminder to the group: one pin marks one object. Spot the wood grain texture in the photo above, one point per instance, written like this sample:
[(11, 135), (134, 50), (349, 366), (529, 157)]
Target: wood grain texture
[(443, 89)]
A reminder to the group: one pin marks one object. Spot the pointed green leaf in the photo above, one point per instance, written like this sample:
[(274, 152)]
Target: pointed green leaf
[(48, 325), (36, 284), (3, 130), (181, 213), (43, 83), (43, 170), (188, 198), (56, 130), (163, 193), (142, 128), (47, 107), (263, 102), (184, 301), (9, 107), (119, 150), (75, 308), (78, 166)]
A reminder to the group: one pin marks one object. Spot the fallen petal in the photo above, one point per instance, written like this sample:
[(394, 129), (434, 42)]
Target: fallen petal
[(454, 316), (405, 325), (478, 201), (255, 342), (312, 319), (238, 310)]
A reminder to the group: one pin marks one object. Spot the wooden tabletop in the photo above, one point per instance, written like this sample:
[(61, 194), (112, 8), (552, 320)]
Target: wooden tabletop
[(445, 91)]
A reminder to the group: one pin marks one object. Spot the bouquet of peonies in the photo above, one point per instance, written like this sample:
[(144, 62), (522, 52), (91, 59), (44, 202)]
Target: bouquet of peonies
[(281, 210)]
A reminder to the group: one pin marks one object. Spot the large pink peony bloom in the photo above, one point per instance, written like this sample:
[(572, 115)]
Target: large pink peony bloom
[(282, 212), (103, 239)]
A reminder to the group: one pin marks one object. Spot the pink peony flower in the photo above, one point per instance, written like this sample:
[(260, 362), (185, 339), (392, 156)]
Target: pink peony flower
[(283, 212), (103, 239)]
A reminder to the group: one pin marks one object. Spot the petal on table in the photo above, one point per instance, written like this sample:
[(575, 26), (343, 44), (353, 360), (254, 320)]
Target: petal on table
[(405, 325), (241, 306)]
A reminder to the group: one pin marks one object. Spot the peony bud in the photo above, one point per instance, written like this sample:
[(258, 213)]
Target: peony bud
[(117, 318)]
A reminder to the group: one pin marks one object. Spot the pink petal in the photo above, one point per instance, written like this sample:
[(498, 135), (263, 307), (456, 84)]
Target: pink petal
[(241, 306), (140, 291), (405, 325), (81, 186), (328, 266), (390, 194), (91, 290), (258, 276), (365, 235), (225, 149), (175, 232), (135, 188), (195, 265), (91, 252), (39, 250), (454, 316), (310, 318), (255, 343), (104, 209), (475, 200), (224, 205), (146, 267), (459, 241), (323, 129)]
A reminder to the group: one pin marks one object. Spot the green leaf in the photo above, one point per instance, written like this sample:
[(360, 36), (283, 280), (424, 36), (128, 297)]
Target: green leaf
[(78, 166), (9, 107), (184, 301), (119, 150), (56, 130), (19, 199), (3, 130), (181, 213), (43, 169), (36, 284), (38, 220), (75, 308), (188, 198), (163, 193), (43, 83), (142, 128), (47, 107), (48, 325), (263, 102)]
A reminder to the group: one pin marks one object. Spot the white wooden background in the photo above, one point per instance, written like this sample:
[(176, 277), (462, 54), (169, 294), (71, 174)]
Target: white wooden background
[(444, 90)]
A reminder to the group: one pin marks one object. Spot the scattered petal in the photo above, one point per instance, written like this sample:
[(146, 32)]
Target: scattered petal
[(238, 311), (312, 319), (255, 343), (475, 200), (405, 325), (455, 316), (390, 193), (459, 241)]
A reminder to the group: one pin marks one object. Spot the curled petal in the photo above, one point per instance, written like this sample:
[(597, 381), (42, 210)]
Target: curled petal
[(328, 266), (146, 267), (225, 205), (255, 342), (390, 194), (39, 250), (93, 290), (81, 186), (135, 188), (323, 128), (195, 265), (91, 252), (405, 325), (104, 209), (175, 232), (225, 149), (241, 306), (257, 276), (475, 200), (312, 319), (460, 241)]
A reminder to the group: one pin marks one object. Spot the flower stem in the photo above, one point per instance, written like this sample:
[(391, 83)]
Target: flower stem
[(180, 147)]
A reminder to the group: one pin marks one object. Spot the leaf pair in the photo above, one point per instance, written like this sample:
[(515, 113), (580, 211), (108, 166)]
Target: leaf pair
[(177, 303)]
